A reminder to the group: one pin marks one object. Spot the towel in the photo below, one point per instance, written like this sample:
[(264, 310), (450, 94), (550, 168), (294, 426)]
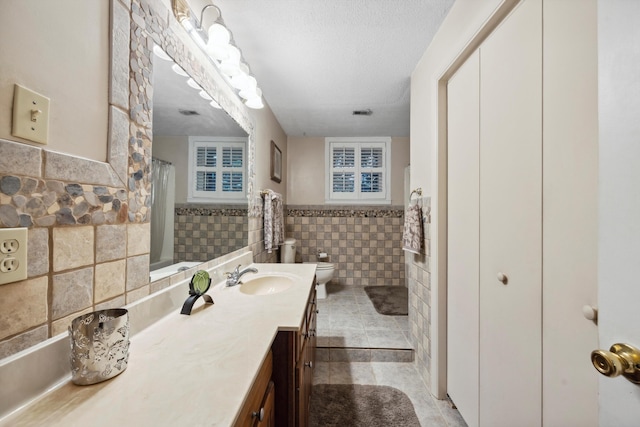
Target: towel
[(273, 220), (412, 236)]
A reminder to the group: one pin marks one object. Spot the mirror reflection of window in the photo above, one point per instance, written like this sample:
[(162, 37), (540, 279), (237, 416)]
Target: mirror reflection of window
[(217, 169)]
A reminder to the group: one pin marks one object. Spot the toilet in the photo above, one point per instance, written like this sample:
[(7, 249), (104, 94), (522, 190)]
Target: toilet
[(324, 273), (324, 270)]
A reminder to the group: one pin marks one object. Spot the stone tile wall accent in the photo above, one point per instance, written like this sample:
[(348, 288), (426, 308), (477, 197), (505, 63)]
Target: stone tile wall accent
[(419, 283), (27, 201), (363, 242), (203, 233)]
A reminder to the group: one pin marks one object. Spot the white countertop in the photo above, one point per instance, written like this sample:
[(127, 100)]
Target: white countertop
[(184, 370)]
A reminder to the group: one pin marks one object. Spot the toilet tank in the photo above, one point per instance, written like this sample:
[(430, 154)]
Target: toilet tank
[(289, 251)]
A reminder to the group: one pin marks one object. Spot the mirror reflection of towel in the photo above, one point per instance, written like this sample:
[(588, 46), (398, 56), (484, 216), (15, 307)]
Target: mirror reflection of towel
[(412, 235), (273, 220)]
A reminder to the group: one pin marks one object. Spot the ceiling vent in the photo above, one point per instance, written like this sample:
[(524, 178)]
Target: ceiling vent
[(188, 112), (366, 112)]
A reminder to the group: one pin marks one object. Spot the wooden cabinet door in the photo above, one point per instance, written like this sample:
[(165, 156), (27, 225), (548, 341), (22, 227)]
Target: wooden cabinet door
[(268, 405), (302, 414), (511, 221)]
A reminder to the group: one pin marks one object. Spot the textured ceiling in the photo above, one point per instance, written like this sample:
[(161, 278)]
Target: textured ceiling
[(318, 60)]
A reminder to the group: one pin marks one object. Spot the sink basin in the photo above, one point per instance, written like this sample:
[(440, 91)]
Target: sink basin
[(265, 284)]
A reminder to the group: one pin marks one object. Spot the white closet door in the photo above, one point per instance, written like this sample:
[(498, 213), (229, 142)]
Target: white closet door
[(511, 221), (463, 238)]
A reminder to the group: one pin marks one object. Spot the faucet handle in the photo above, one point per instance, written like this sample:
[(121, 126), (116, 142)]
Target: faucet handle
[(234, 272)]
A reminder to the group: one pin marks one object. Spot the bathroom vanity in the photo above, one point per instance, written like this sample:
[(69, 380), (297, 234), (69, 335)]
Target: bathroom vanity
[(245, 360)]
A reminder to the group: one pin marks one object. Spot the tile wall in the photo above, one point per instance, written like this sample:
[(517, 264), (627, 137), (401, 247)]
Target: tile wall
[(205, 233), (363, 242), (419, 283)]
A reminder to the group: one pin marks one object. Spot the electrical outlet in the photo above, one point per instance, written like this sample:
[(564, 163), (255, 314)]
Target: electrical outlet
[(13, 255), (9, 246)]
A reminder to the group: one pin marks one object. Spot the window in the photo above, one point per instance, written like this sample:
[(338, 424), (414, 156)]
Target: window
[(217, 169), (357, 170)]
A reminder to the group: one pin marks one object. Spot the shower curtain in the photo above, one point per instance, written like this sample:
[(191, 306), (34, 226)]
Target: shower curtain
[(160, 186)]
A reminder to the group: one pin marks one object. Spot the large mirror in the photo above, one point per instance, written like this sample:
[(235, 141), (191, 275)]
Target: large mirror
[(199, 185)]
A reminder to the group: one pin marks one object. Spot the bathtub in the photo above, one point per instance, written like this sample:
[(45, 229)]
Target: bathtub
[(167, 271)]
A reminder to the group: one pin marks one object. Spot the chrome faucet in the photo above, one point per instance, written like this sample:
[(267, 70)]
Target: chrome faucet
[(233, 278)]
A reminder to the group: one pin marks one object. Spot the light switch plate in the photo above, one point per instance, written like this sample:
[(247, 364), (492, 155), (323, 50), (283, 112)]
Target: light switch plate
[(30, 115), (13, 255)]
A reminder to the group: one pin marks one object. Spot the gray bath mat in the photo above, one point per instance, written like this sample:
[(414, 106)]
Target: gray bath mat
[(356, 405), (391, 300)]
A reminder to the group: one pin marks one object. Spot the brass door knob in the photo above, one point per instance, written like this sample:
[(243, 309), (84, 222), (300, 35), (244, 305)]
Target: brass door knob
[(621, 359)]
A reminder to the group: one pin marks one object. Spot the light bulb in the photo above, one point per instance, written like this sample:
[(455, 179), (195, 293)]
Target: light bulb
[(157, 50), (255, 102), (218, 45), (241, 80), (249, 91), (219, 35), (193, 84), (231, 65), (179, 70), (205, 95)]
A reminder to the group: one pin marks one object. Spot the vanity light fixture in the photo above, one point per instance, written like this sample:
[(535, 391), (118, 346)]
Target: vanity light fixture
[(216, 41)]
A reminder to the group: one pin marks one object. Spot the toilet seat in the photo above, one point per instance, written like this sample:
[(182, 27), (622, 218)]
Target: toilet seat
[(324, 266)]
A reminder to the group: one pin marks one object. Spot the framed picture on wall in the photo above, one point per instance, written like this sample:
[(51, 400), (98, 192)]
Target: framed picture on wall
[(276, 163)]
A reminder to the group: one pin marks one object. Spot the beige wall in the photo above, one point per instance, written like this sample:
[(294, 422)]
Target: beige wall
[(268, 129), (59, 49), (306, 167)]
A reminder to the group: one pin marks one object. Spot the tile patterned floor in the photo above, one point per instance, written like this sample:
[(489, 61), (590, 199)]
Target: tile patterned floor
[(370, 348), (347, 319)]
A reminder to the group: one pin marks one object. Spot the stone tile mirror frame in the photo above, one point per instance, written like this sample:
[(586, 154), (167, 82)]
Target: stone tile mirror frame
[(64, 198)]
